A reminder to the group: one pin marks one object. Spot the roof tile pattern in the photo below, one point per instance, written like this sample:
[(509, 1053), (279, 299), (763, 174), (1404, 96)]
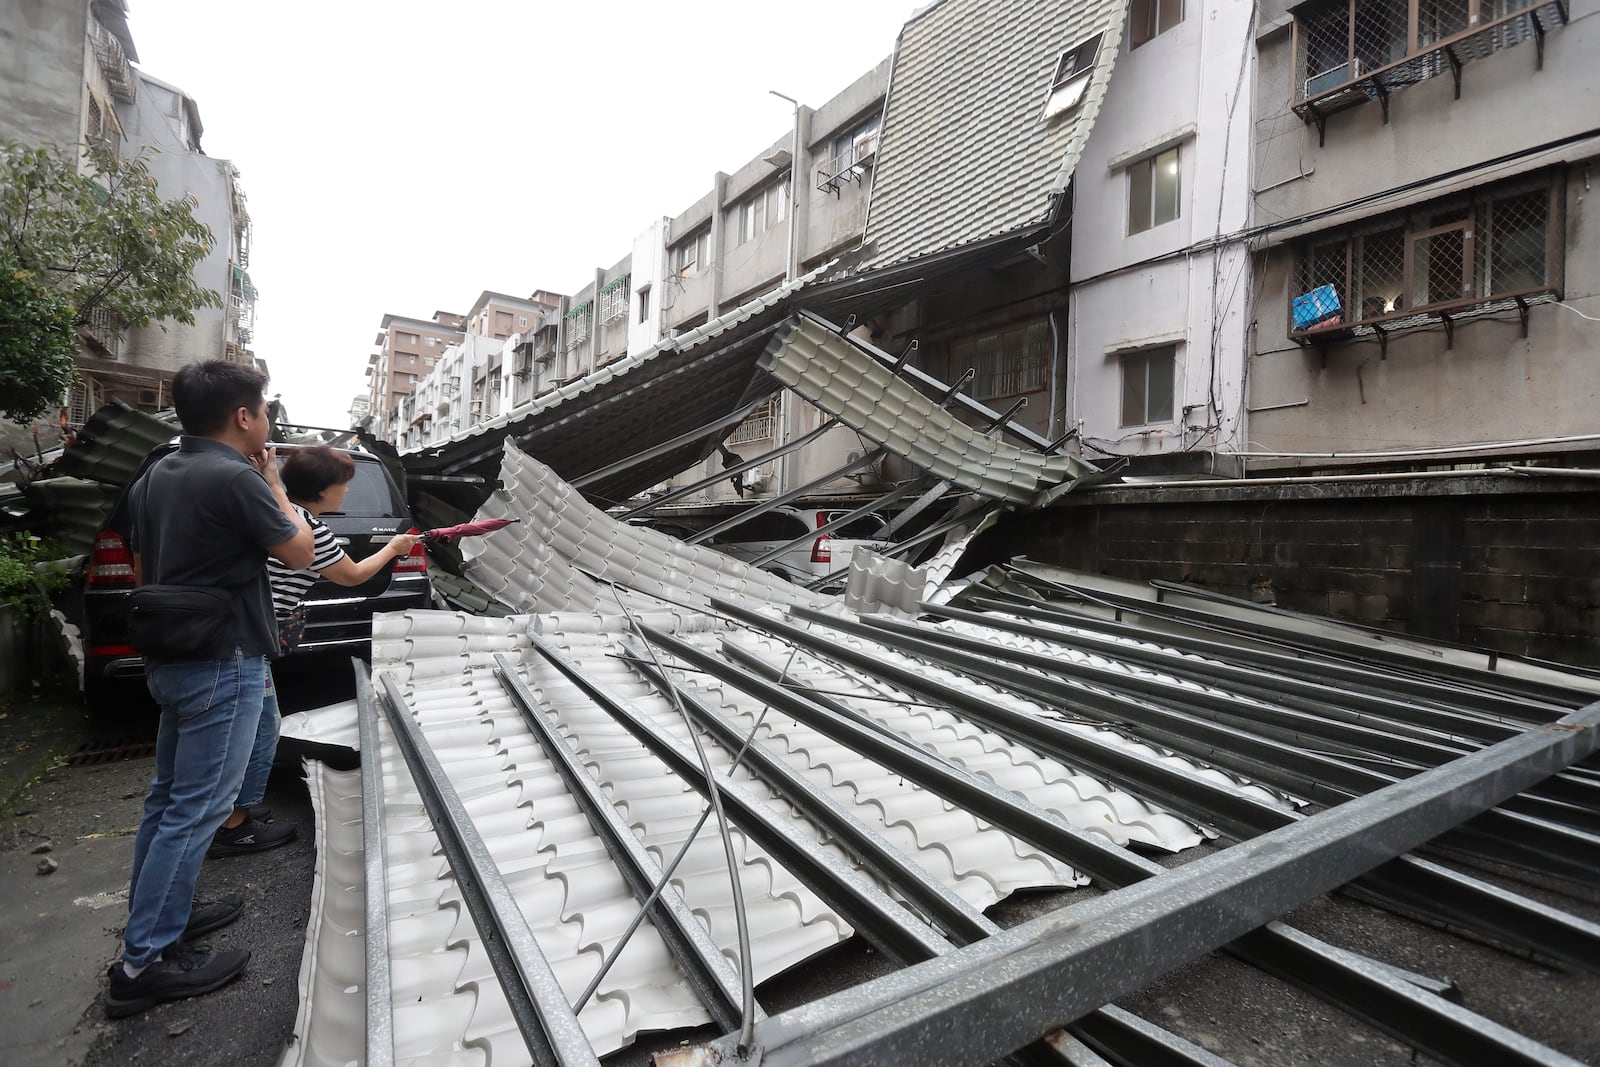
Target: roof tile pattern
[(966, 154), (867, 396), (551, 559)]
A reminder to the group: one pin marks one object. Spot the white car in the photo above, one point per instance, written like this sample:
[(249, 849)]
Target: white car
[(823, 551)]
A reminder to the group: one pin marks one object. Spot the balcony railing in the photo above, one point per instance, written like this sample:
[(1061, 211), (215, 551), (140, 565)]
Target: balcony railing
[(104, 330), (113, 61), (1347, 52)]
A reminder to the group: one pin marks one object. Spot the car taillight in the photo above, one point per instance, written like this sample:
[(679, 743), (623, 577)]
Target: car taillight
[(110, 562), (820, 552), (413, 562)]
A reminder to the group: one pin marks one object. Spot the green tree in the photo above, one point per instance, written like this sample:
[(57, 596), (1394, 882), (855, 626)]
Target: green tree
[(105, 242), (37, 343)]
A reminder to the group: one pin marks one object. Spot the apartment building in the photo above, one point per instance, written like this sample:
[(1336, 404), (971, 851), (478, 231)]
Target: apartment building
[(1158, 306), (408, 349), (1426, 287), (67, 78)]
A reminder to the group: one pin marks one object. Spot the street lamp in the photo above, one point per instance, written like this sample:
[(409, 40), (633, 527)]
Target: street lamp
[(790, 269)]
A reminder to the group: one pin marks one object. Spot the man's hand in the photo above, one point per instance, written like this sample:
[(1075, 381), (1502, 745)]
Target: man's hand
[(266, 461)]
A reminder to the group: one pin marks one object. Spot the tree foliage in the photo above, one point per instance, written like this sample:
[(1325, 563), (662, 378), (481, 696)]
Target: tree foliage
[(37, 343), (104, 242)]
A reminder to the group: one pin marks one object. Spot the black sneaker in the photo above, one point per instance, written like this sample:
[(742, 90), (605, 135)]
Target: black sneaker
[(259, 811), (249, 836), (212, 915), (183, 971)]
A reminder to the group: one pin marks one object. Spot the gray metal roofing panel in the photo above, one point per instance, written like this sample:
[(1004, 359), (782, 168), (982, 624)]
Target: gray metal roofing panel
[(71, 511), (550, 560), (112, 444), (867, 396), (965, 154)]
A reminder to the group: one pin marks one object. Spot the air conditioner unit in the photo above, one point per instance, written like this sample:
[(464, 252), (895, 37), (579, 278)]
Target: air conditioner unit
[(1318, 84)]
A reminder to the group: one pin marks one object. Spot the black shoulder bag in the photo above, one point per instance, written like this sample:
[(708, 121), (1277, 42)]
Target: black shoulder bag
[(180, 622)]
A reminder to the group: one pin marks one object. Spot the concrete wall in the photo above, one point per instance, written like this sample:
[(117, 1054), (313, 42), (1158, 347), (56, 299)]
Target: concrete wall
[(1175, 90), (1502, 565), (1489, 385), (649, 267), (42, 71)]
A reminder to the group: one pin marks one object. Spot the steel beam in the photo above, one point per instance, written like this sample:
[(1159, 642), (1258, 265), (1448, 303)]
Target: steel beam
[(976, 1004), (1486, 908), (1508, 836), (644, 455), (1396, 1012), (533, 995), (701, 958), (794, 494), (375, 885), (728, 472)]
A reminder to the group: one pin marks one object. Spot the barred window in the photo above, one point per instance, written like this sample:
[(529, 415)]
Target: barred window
[(577, 323), (1339, 42), (1500, 243), (760, 425), (1006, 362), (614, 301)]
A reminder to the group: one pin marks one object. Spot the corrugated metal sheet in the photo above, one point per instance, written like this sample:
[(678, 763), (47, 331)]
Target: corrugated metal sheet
[(564, 548), (867, 396), (112, 444), (965, 154)]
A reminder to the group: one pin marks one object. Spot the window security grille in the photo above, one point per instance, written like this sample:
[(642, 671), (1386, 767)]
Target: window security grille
[(614, 301), (1349, 51), (1501, 244), (1006, 362), (760, 425), (578, 324)]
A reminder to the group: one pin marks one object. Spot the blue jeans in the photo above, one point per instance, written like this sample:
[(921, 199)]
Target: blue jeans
[(256, 773), (210, 710)]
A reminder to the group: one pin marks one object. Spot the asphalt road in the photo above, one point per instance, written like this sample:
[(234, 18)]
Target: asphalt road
[(60, 931)]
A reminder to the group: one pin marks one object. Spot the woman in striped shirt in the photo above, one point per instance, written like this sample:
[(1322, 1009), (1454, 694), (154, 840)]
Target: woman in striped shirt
[(316, 480)]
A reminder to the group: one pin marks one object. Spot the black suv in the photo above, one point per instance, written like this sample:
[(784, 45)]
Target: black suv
[(337, 617)]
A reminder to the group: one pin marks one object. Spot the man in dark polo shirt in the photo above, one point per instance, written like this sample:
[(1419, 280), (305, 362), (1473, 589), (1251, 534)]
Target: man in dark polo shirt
[(207, 515)]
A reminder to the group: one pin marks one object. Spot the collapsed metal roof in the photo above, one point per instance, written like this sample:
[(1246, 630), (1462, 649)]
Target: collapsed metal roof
[(890, 779), (970, 151)]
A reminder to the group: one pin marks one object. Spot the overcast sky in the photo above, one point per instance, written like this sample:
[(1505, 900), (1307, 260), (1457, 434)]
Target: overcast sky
[(404, 156)]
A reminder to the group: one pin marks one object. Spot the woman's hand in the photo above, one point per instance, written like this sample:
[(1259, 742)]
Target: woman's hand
[(401, 544)]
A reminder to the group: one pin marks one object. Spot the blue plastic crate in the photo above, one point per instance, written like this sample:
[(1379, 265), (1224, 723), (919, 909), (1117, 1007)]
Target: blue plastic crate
[(1319, 305)]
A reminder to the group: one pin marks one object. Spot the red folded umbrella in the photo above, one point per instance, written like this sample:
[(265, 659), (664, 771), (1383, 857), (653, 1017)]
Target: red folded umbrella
[(466, 529)]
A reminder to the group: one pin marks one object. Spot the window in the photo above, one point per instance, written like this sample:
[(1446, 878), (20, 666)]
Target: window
[(644, 304), (1006, 362), (1342, 41), (1497, 243), (1147, 378), (1072, 77), (1153, 190), (522, 321), (762, 210), (614, 300), (430, 341), (849, 154), (407, 338), (578, 324), (1151, 18), (693, 255), (759, 425), (428, 362)]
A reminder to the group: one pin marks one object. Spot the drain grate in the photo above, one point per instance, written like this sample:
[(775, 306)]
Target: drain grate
[(95, 753)]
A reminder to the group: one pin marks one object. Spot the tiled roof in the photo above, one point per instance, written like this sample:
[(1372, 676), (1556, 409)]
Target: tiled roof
[(966, 155), (551, 560), (112, 444), (836, 376)]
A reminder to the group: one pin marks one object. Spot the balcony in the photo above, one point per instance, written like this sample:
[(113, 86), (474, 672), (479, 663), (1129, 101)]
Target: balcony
[(104, 332), (1347, 52), (113, 62)]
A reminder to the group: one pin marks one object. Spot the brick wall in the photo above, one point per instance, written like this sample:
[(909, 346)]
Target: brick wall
[(1491, 561)]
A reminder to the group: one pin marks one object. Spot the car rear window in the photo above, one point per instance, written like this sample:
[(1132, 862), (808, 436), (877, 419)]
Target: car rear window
[(866, 528), (369, 493)]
